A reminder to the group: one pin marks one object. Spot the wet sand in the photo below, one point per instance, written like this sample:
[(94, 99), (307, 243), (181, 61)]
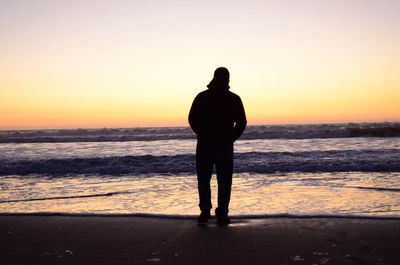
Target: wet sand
[(149, 240)]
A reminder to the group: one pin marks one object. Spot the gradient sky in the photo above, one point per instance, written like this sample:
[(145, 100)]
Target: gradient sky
[(80, 63)]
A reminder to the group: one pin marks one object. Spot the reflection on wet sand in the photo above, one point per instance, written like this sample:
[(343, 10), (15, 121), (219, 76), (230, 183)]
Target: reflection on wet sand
[(372, 194)]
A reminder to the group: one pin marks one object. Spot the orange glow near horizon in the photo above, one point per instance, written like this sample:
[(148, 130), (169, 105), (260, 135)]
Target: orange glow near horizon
[(135, 63)]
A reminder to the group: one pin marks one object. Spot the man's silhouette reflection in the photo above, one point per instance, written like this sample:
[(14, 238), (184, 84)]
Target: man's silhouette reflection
[(217, 117)]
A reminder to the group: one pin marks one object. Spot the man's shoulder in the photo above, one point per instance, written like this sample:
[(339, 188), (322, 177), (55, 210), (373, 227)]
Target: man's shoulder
[(203, 93), (234, 96), (207, 93)]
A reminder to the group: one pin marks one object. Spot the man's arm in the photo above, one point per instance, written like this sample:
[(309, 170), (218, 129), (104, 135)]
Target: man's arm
[(240, 120), (194, 118)]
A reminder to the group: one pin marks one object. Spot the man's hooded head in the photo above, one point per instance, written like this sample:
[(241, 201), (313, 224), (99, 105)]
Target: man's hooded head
[(220, 80)]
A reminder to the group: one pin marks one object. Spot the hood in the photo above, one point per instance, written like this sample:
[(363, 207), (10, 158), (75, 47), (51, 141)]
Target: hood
[(218, 85), (220, 81)]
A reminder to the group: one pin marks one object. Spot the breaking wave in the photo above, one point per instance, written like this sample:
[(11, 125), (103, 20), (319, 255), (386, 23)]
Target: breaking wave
[(385, 160)]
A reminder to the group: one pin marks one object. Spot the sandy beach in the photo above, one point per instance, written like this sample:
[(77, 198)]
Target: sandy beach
[(149, 240)]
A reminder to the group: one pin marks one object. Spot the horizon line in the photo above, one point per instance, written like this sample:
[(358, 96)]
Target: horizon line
[(185, 126)]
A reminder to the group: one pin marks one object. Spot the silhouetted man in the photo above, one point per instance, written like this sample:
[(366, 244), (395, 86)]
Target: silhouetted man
[(217, 117)]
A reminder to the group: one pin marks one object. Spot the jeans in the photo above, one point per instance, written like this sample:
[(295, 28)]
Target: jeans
[(220, 155)]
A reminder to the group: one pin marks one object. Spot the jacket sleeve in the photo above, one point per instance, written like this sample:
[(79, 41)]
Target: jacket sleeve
[(240, 120), (194, 115)]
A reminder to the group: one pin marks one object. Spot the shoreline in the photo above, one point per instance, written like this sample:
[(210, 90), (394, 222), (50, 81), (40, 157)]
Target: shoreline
[(186, 217), (135, 240)]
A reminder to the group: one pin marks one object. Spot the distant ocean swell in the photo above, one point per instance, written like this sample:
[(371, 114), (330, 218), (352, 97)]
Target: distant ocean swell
[(178, 133), (383, 160)]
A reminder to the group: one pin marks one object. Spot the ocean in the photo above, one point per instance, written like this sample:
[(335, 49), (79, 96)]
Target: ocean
[(279, 170)]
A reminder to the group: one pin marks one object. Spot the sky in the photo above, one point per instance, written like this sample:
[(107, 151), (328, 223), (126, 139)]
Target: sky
[(94, 63)]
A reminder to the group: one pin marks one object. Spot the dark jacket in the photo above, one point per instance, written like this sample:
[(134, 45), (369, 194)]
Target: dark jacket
[(217, 116)]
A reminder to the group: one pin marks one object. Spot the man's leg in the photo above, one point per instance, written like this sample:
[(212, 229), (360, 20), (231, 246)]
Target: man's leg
[(204, 167), (224, 169)]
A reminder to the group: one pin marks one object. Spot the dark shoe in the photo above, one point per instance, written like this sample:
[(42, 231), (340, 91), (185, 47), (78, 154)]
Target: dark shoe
[(223, 220), (203, 218)]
